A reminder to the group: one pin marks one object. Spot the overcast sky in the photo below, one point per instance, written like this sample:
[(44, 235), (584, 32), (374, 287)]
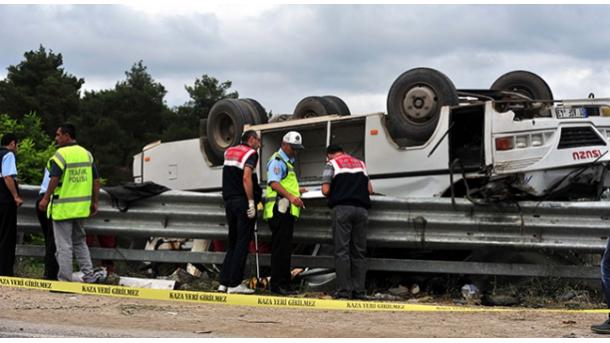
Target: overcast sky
[(279, 54)]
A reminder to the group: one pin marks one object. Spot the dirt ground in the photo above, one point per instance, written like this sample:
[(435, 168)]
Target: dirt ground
[(33, 313)]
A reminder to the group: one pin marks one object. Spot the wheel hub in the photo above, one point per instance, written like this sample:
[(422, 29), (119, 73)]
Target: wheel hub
[(224, 131), (419, 103)]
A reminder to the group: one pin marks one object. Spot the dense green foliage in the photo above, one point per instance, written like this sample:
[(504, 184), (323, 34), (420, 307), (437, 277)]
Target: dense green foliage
[(40, 84), (113, 124), (35, 146), (116, 123), (184, 121)]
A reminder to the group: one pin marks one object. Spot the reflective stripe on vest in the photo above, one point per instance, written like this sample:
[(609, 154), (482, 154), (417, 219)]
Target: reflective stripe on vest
[(72, 197), (290, 184), (237, 156), (347, 164)]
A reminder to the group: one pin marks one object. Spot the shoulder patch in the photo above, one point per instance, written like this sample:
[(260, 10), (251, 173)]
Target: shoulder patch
[(277, 170)]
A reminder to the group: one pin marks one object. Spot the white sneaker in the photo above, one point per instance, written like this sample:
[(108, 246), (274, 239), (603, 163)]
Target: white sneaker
[(222, 288), (241, 289)]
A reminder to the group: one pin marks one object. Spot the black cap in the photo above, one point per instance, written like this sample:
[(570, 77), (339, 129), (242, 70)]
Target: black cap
[(333, 148)]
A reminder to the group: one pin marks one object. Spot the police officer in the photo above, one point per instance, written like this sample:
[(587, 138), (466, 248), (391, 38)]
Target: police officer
[(282, 206), (240, 192), (73, 193), (346, 184), (9, 201), (50, 262), (604, 328)]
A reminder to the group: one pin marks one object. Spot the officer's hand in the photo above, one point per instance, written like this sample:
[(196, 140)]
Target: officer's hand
[(18, 201), (251, 209), (303, 190), (93, 209), (296, 201), (42, 205)]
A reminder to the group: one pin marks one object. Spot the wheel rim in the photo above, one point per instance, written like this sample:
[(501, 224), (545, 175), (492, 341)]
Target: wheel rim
[(419, 104), (224, 131)]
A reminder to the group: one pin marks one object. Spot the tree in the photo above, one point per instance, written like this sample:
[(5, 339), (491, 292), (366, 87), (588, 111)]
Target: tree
[(35, 147), (115, 124), (183, 123), (206, 92), (40, 84)]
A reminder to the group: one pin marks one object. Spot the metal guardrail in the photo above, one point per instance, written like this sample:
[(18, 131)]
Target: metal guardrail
[(417, 223)]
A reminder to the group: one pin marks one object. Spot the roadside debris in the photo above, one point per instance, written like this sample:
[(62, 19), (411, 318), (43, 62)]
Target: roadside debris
[(471, 293), (400, 291), (146, 283)]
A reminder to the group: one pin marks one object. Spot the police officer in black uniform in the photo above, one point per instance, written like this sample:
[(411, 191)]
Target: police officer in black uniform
[(9, 201), (346, 184), (240, 192)]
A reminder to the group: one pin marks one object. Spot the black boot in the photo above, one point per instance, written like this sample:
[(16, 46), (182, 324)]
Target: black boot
[(603, 328)]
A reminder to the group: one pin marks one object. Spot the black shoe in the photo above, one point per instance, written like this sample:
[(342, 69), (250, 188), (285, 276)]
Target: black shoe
[(283, 291), (342, 295), (360, 295), (603, 328)]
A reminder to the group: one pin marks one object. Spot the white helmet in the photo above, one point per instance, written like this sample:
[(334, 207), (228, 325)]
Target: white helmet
[(294, 139)]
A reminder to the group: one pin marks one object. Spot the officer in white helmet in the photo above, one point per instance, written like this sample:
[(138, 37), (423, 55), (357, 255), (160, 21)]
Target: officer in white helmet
[(283, 205)]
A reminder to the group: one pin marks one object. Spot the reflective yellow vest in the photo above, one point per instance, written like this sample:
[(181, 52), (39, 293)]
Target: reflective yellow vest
[(72, 196), (290, 184)]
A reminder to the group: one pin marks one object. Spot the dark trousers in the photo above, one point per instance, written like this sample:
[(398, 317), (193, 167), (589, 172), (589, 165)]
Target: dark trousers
[(282, 228), (605, 267), (103, 241), (51, 268), (8, 238), (349, 235), (241, 229)]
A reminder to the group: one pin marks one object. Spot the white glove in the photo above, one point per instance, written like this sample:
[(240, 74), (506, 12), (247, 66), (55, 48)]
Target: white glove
[(251, 209)]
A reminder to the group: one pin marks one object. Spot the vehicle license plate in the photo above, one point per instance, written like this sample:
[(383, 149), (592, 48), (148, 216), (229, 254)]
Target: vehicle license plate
[(570, 112)]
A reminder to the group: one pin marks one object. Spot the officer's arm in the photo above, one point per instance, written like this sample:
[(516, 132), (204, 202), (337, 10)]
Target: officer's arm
[(95, 196), (370, 187), (295, 200), (9, 162), (275, 174), (276, 186), (247, 181), (96, 191), (327, 177), (53, 182), (10, 184)]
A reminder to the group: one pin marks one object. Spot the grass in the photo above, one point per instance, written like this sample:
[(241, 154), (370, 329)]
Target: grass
[(29, 267)]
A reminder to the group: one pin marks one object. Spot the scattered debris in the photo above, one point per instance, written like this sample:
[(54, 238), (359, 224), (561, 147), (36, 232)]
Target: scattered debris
[(569, 294), (203, 332), (471, 292), (146, 283), (425, 299), (500, 300), (187, 282), (414, 290), (400, 291), (459, 301), (381, 296)]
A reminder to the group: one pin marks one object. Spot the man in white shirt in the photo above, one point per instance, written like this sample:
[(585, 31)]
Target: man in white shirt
[(9, 202)]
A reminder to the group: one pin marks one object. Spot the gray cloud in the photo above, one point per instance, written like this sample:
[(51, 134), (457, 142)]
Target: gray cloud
[(354, 51)]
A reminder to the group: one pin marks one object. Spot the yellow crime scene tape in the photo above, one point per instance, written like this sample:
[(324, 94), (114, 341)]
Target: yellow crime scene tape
[(252, 299)]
